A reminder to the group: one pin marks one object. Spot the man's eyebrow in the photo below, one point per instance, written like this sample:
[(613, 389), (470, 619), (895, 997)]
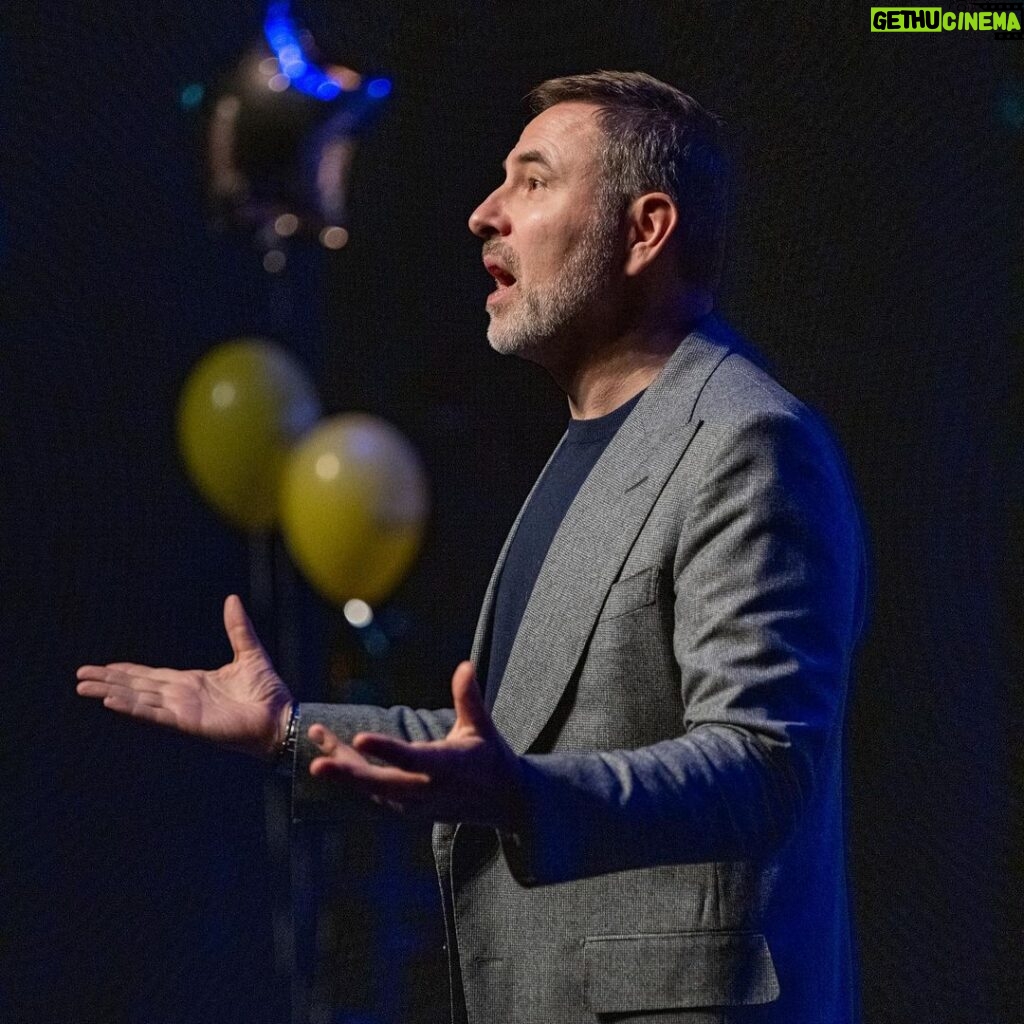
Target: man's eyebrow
[(530, 156)]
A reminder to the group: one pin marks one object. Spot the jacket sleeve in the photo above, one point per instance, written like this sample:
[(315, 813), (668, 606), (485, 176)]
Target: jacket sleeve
[(318, 799), (767, 606)]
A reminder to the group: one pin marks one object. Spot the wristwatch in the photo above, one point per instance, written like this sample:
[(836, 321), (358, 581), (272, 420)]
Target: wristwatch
[(284, 756)]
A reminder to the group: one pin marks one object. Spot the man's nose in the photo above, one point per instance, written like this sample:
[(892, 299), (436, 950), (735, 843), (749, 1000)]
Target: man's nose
[(489, 218)]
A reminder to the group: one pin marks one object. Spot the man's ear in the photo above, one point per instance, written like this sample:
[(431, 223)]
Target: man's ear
[(651, 221)]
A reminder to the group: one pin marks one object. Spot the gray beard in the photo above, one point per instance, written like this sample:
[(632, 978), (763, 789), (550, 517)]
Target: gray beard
[(539, 315)]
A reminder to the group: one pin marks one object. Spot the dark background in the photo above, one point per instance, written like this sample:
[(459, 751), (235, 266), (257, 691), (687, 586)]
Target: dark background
[(875, 258)]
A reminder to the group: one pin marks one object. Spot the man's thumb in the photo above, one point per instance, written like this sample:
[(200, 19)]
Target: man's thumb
[(469, 704), (239, 629)]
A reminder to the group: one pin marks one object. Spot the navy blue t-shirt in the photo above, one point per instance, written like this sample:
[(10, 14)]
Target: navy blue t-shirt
[(585, 441)]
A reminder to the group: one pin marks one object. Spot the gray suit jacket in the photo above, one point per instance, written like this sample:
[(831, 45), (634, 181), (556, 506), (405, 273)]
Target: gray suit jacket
[(677, 689)]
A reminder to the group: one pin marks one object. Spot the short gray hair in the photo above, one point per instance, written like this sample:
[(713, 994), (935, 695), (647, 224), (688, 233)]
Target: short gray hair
[(657, 139)]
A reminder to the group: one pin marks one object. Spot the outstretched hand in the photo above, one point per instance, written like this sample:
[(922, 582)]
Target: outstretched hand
[(243, 705), (472, 775)]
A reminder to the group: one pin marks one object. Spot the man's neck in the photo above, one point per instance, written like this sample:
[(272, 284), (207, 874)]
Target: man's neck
[(613, 376), (613, 372)]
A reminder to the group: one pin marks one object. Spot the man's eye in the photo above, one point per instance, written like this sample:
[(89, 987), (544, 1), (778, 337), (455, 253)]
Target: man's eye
[(534, 183)]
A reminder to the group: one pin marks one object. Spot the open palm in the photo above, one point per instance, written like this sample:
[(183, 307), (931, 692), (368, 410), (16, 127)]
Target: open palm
[(242, 705), (471, 775)]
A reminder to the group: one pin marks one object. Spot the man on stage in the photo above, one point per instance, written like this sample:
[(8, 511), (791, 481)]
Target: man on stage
[(638, 793)]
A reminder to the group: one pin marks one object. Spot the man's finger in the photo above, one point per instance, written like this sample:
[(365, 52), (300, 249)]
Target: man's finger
[(98, 688), (147, 706), (413, 757), (326, 741), (239, 628), (386, 782), (469, 705), (158, 716), (125, 687), (102, 671), (132, 669), (136, 701), (127, 673), (123, 694)]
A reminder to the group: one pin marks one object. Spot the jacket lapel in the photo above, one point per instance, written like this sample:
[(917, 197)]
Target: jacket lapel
[(595, 537)]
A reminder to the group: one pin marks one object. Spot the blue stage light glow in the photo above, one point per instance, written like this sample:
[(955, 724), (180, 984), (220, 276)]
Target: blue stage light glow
[(192, 96), (282, 35), (378, 88), (328, 90)]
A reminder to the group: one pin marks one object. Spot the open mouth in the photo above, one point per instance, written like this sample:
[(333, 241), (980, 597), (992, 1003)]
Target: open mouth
[(502, 278)]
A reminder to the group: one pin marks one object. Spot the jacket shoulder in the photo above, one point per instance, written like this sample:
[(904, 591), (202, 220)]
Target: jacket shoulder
[(741, 395), (741, 388)]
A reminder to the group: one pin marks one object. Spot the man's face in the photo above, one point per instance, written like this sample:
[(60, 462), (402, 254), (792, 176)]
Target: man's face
[(549, 240)]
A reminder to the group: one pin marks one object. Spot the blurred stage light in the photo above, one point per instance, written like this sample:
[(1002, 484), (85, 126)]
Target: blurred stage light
[(334, 238), (358, 613), (286, 225), (281, 134), (192, 96), (274, 261), (300, 72)]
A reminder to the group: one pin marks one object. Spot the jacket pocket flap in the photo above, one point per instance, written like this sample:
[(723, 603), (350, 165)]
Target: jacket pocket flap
[(682, 969), (629, 594)]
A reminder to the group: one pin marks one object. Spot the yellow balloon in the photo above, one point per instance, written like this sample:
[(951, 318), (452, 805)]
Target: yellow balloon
[(242, 408), (353, 504)]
